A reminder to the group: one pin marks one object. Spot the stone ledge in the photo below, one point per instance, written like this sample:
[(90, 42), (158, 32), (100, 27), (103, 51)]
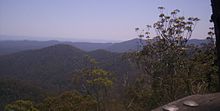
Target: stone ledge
[(206, 102)]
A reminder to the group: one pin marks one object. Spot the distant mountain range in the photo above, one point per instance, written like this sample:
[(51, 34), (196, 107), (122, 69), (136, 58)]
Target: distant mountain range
[(9, 46)]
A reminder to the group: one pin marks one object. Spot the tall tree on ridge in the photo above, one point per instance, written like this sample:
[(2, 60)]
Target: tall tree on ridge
[(216, 19)]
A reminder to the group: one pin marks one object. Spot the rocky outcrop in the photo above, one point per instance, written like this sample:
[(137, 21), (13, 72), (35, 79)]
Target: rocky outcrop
[(207, 102)]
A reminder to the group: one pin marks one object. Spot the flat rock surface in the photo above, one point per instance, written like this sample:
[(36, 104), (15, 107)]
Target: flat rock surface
[(206, 102)]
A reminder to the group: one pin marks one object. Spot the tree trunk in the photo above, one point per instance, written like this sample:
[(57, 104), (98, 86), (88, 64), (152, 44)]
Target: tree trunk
[(216, 19)]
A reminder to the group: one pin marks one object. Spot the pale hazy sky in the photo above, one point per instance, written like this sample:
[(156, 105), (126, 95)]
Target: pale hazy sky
[(92, 20)]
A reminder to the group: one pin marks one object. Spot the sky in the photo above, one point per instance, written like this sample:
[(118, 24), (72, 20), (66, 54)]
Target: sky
[(92, 20)]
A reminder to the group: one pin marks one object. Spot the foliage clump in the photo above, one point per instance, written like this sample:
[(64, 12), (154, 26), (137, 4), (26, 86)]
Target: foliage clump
[(21, 105), (172, 68), (69, 101)]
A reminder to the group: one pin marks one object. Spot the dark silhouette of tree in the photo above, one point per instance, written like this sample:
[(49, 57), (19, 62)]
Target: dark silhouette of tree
[(216, 19)]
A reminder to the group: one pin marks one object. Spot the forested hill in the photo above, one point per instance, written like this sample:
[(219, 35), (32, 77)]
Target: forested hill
[(12, 89), (53, 67)]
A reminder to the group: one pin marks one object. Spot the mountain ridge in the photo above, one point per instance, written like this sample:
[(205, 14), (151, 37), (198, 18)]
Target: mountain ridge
[(11, 46)]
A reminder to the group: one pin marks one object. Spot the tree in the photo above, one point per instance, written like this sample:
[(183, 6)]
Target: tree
[(216, 19), (174, 68), (69, 101), (138, 96), (174, 30), (163, 55), (95, 82), (21, 105), (98, 82)]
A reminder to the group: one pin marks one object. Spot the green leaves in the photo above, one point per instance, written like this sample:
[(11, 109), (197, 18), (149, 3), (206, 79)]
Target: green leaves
[(21, 105), (102, 82), (69, 101), (177, 71), (98, 79), (96, 82)]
